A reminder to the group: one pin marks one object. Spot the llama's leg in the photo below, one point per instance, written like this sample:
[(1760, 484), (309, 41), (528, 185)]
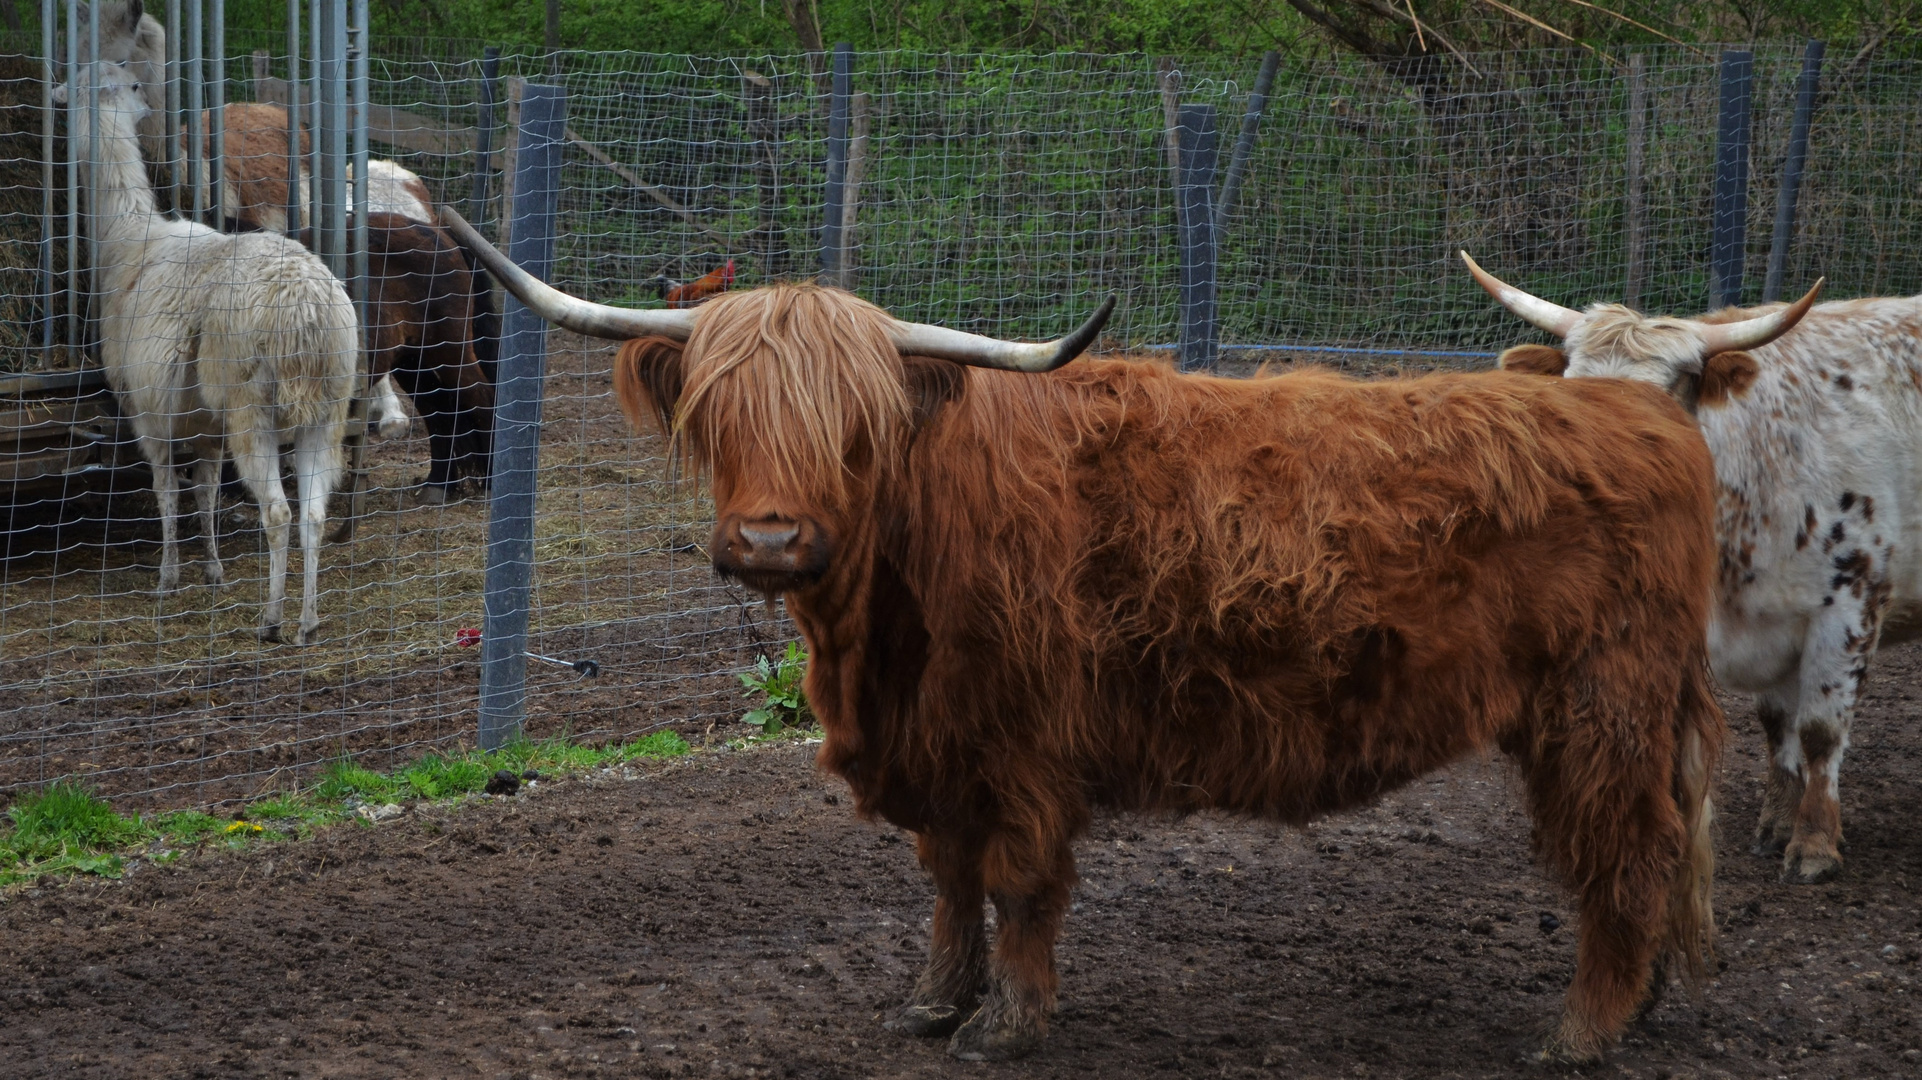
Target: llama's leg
[(1030, 889), (166, 494), (1776, 709), (317, 466), (957, 946), (1835, 664), (257, 458), (207, 496)]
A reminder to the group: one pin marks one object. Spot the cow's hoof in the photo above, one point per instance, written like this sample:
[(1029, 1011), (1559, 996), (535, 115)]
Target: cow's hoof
[(1575, 1041), (308, 635), (1769, 843), (925, 1021), (270, 633), (981, 1040), (215, 575), (1810, 867)]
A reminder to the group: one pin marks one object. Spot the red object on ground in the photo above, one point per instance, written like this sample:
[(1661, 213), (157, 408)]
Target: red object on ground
[(467, 637)]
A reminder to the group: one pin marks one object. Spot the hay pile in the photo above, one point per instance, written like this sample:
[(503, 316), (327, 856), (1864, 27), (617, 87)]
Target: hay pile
[(20, 211)]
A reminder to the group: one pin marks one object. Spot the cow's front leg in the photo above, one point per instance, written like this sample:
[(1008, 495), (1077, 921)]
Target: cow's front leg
[(1030, 892), (1783, 795), (1835, 664), (957, 968)]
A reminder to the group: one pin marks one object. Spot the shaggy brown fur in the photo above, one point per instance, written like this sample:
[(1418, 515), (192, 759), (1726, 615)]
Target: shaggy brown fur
[(1117, 586), (255, 170), (1532, 360)]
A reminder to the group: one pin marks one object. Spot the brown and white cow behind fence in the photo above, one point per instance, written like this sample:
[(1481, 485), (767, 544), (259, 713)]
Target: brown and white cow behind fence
[(1027, 596), (1817, 440)]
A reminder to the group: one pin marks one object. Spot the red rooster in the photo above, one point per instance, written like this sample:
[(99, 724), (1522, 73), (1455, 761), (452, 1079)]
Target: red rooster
[(688, 295)]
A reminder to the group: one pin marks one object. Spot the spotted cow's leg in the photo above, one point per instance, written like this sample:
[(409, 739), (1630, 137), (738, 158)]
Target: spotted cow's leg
[(1030, 889), (1777, 708), (957, 947), (1835, 664)]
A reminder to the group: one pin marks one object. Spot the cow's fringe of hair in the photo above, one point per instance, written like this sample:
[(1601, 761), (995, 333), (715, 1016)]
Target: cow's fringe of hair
[(803, 380)]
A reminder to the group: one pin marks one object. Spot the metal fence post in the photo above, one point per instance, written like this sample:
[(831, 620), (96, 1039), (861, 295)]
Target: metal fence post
[(517, 421), (217, 195), (49, 283), (840, 104), (1195, 223), (477, 209), (1245, 145), (1806, 89), (293, 118), (1729, 220)]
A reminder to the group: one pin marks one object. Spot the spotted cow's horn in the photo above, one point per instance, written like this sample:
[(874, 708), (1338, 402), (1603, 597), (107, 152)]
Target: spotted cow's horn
[(1533, 310), (1759, 331)]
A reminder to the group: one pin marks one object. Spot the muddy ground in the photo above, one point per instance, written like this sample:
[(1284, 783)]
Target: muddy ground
[(727, 916)]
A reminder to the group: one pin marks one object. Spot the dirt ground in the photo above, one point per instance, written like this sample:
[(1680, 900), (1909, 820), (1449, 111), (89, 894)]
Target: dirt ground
[(727, 916), (167, 702)]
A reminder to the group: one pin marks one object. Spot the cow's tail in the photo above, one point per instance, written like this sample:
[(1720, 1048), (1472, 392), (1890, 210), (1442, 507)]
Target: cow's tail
[(1688, 945)]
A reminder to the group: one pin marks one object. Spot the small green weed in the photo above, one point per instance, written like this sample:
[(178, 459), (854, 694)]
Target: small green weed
[(784, 704)]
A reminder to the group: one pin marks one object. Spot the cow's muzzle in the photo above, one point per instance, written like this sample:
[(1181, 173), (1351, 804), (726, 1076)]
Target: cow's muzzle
[(770, 554)]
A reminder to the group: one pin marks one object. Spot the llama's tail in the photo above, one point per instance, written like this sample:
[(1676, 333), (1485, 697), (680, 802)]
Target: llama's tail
[(1688, 943)]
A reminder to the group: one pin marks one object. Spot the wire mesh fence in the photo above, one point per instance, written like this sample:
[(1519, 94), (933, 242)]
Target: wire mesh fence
[(1000, 194)]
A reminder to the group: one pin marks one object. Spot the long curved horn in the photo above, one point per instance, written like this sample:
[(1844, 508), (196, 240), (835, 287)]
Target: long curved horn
[(1533, 310), (912, 339), (1759, 331), (572, 313), (920, 339)]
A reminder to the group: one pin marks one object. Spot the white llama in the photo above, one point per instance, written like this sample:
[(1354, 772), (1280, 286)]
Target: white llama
[(131, 36), (216, 343)]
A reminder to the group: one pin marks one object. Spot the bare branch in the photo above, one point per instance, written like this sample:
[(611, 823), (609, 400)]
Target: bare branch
[(1639, 26), (1540, 25)]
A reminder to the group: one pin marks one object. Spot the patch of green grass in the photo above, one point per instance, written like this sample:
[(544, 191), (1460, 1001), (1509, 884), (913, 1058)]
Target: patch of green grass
[(343, 780), (66, 829), (438, 777), (183, 828), (661, 744)]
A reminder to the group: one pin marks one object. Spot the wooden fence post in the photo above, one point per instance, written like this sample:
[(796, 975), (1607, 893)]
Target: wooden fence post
[(517, 422), (1806, 89), (478, 204), (763, 121), (1636, 275), (510, 158), (851, 189), (1195, 221), (1245, 145), (1728, 223), (840, 104)]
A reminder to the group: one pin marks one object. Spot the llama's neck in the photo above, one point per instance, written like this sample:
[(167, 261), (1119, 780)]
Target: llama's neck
[(120, 199)]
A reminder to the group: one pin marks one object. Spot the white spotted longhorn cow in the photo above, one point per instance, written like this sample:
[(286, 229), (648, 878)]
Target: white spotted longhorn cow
[(1817, 441)]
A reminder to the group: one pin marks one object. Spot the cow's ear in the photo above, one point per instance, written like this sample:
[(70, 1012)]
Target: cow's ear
[(647, 380), (1534, 360), (1726, 376), (931, 384)]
